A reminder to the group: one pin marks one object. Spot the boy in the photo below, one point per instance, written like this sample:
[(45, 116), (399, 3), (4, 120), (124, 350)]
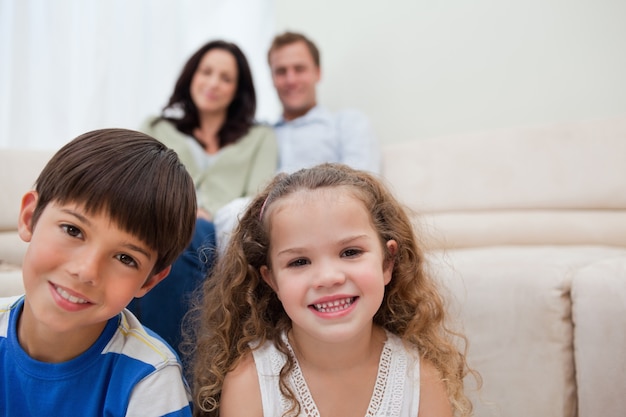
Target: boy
[(110, 212)]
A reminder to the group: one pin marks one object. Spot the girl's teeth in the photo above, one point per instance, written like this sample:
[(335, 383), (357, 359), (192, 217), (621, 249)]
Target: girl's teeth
[(334, 306), (70, 297)]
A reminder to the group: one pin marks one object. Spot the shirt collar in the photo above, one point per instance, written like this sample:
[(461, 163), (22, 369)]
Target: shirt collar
[(317, 112)]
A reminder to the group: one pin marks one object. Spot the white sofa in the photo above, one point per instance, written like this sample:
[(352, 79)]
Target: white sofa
[(18, 171), (526, 229)]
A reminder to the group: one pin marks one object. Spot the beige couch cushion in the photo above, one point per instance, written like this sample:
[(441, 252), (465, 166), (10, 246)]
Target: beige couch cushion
[(599, 314), (540, 185), (18, 171), (522, 227), (517, 315)]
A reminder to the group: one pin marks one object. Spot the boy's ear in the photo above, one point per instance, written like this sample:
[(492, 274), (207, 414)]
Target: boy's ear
[(392, 250), (153, 281), (25, 219)]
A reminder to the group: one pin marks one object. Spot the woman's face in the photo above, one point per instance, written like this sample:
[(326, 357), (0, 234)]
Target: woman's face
[(214, 83)]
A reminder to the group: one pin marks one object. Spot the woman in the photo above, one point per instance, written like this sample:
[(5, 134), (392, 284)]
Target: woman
[(209, 122)]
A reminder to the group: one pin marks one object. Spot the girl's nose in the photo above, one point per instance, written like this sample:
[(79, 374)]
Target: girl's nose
[(329, 275)]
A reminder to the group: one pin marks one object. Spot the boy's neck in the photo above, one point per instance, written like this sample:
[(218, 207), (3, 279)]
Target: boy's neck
[(44, 344)]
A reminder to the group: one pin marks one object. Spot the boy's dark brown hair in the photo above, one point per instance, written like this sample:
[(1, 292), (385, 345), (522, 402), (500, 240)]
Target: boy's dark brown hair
[(288, 38), (133, 178)]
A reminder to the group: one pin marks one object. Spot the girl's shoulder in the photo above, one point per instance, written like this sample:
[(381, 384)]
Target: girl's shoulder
[(434, 399), (242, 382)]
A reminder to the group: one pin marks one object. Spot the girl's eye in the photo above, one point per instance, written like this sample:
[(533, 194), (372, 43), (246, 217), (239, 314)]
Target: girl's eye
[(127, 260), (298, 262), (350, 253), (71, 230)]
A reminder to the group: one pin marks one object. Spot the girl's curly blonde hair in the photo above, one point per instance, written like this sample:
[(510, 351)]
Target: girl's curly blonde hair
[(237, 309)]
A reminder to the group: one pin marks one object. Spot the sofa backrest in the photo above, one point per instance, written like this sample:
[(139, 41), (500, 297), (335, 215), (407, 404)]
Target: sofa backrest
[(18, 171), (559, 184)]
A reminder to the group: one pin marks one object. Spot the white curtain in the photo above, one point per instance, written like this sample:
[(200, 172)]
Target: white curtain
[(69, 66)]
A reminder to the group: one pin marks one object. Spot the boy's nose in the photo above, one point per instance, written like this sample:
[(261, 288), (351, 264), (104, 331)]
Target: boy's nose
[(87, 268)]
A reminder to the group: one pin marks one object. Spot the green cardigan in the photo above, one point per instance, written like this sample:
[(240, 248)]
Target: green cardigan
[(239, 170)]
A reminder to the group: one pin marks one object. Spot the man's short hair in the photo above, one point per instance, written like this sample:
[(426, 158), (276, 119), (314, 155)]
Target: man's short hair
[(133, 178), (288, 38)]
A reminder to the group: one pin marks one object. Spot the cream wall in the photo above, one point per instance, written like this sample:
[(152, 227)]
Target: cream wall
[(433, 68)]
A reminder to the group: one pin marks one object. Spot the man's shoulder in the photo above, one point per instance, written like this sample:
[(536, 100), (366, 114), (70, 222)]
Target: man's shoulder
[(342, 116), (351, 115)]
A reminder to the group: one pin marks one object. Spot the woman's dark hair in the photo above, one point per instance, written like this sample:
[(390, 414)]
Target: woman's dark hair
[(240, 113)]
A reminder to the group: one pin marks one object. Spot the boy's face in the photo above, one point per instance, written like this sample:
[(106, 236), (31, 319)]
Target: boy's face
[(80, 269)]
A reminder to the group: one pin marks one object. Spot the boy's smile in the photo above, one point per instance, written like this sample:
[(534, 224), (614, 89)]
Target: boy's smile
[(80, 270)]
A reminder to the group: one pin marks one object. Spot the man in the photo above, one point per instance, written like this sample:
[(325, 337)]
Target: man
[(308, 133)]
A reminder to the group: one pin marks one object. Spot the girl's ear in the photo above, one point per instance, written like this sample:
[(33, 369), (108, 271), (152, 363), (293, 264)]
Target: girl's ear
[(25, 219), (390, 260), (268, 277)]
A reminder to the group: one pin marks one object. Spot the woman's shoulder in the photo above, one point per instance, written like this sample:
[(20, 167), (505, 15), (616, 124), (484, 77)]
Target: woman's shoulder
[(261, 130), (258, 136), (152, 124), (165, 131)]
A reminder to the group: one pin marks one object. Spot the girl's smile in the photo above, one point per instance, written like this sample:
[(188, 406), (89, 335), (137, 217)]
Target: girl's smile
[(334, 308)]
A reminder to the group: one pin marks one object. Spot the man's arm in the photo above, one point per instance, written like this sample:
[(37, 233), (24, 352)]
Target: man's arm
[(358, 143)]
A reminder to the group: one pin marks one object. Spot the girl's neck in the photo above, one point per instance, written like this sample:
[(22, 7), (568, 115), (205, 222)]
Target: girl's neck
[(367, 346)]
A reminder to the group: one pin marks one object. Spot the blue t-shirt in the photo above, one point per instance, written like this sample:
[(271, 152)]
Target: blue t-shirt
[(128, 371)]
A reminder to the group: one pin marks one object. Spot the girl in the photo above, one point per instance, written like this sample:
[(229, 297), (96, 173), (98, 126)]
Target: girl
[(320, 306)]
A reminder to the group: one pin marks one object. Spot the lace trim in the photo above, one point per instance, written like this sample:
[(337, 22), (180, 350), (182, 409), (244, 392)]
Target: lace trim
[(391, 400)]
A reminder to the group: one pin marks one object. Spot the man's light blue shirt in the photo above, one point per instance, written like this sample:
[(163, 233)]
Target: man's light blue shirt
[(322, 136)]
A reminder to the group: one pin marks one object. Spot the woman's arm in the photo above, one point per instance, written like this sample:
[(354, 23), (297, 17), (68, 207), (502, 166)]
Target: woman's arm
[(265, 162)]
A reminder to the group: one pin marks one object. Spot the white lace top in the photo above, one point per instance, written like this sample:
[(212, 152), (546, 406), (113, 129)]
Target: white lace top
[(396, 392)]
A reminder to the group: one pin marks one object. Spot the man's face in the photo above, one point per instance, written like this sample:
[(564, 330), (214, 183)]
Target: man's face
[(295, 77)]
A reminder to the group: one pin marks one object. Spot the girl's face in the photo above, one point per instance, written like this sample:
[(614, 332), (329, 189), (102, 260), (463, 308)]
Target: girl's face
[(327, 263), (214, 83)]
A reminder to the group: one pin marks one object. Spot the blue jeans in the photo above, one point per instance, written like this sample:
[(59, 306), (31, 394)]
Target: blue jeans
[(162, 309)]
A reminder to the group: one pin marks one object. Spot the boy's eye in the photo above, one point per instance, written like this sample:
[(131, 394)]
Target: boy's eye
[(127, 260), (298, 262), (351, 253), (71, 230)]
